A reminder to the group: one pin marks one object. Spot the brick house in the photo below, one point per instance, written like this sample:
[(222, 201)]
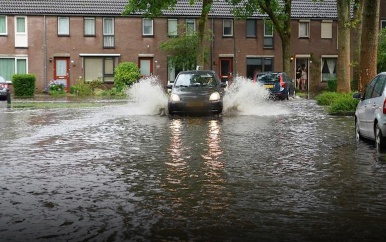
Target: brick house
[(86, 39)]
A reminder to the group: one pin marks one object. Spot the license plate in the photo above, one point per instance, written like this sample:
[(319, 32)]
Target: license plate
[(195, 104), (268, 85)]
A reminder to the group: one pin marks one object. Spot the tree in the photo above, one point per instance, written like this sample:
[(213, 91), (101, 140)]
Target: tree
[(356, 34), (151, 8), (344, 25), (280, 15), (183, 50), (369, 42)]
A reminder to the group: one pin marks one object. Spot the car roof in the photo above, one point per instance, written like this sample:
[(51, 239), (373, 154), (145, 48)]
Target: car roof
[(197, 72)]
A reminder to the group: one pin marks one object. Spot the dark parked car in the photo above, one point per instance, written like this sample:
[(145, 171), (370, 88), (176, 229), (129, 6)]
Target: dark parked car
[(279, 84), (196, 92), (370, 114), (4, 88)]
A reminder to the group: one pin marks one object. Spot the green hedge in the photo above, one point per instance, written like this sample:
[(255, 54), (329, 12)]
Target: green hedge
[(24, 85)]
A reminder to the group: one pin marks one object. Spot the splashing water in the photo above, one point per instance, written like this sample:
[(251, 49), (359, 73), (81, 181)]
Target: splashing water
[(244, 97), (147, 97)]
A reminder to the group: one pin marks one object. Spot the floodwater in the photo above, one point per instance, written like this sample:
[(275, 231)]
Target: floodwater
[(263, 171)]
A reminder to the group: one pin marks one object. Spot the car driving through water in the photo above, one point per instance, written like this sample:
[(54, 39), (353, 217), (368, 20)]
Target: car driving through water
[(370, 114), (196, 92), (279, 84)]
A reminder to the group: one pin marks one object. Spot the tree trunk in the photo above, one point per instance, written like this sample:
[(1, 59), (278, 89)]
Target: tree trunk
[(343, 71), (369, 42), (357, 32), (206, 6)]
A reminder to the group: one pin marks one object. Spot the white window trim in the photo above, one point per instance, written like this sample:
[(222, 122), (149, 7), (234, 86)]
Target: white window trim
[(6, 25), (223, 27), (321, 63), (172, 33), (68, 25), (308, 28), (21, 38), (322, 30), (144, 20), (105, 34)]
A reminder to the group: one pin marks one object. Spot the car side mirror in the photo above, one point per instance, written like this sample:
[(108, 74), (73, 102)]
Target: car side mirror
[(357, 95), (223, 85), (169, 86)]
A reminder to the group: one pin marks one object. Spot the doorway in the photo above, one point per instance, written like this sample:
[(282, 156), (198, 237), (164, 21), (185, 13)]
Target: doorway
[(226, 69), (62, 70)]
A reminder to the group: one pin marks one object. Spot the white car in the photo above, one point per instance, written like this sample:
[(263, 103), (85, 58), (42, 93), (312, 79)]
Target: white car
[(370, 114)]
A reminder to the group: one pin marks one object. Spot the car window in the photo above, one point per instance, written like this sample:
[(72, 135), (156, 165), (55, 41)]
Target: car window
[(370, 88), (379, 87), (201, 79)]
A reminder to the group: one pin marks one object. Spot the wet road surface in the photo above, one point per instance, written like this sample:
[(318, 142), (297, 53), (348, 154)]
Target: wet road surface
[(284, 171)]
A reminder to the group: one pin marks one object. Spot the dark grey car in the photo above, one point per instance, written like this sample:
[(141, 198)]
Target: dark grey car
[(196, 92), (4, 88)]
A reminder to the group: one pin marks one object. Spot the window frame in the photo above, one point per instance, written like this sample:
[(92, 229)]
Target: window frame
[(102, 61), (16, 67), (144, 21), (188, 22), (268, 36), (383, 24), (307, 24), (171, 31), (326, 57), (227, 28), (62, 32), (21, 37), (254, 34), (108, 34), (93, 27), (326, 29), (5, 25)]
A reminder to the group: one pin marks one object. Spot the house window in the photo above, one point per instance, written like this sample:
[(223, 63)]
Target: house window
[(329, 68), (326, 30), (99, 68), (190, 26), (10, 66), (21, 33), (172, 71), (172, 27), (147, 27), (304, 29), (268, 34), (3, 25), (63, 26), (108, 33), (251, 28), (383, 24), (258, 64), (89, 26), (227, 27), (146, 66)]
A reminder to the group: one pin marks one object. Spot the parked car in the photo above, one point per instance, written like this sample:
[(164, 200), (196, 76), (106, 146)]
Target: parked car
[(196, 92), (370, 114), (4, 88), (279, 84)]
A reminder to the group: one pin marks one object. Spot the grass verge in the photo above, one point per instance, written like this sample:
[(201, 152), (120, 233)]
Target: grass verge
[(338, 103)]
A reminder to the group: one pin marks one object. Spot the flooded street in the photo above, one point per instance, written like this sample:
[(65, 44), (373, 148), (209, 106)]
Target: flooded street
[(263, 171)]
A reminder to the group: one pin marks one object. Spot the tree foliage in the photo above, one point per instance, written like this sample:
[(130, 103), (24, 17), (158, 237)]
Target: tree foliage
[(382, 51)]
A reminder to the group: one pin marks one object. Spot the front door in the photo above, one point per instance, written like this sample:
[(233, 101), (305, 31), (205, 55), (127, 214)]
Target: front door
[(226, 69), (146, 66), (62, 70)]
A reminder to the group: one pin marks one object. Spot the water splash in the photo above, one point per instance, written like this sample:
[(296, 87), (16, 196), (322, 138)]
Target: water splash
[(147, 97), (244, 97)]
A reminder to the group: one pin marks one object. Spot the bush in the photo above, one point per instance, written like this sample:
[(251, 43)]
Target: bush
[(332, 85), (56, 87), (337, 102), (126, 73), (23, 85)]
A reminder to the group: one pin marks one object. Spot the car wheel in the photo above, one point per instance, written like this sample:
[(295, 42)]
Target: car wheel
[(379, 139), (358, 135)]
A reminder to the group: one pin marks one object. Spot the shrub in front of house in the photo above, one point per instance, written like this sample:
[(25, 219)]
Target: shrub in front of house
[(126, 73), (23, 85), (332, 85), (337, 102)]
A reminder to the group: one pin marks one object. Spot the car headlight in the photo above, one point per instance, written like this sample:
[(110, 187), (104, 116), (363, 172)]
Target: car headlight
[(215, 96), (174, 98)]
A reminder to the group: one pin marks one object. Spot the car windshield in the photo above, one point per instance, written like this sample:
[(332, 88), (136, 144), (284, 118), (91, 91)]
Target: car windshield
[(270, 77), (195, 80)]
